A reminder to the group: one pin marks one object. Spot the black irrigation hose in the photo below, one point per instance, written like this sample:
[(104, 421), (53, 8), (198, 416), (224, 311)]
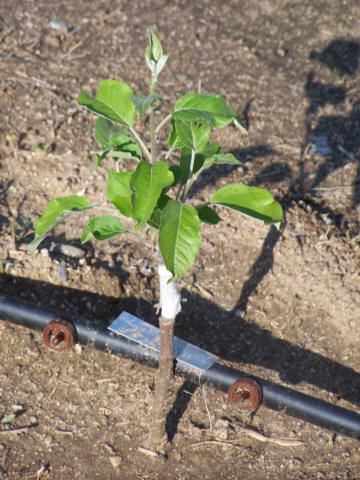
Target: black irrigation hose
[(218, 375)]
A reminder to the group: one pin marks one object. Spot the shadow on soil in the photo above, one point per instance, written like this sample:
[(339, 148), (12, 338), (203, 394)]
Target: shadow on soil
[(222, 333), (206, 325), (334, 138)]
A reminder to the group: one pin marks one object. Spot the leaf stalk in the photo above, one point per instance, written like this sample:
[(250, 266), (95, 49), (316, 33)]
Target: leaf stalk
[(141, 143)]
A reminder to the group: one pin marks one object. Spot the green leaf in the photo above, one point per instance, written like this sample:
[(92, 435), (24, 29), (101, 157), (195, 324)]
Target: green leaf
[(142, 102), (113, 101), (154, 220), (194, 135), (119, 192), (24, 222), (116, 143), (106, 132), (176, 170), (221, 159), (147, 183), (160, 64), (154, 54), (102, 228), (207, 214), (8, 418), (185, 163), (42, 146), (179, 238), (173, 140), (210, 108), (250, 201), (210, 151), (154, 50), (61, 207), (57, 210)]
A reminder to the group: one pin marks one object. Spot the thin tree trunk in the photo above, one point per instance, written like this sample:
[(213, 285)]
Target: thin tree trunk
[(170, 306), (158, 435)]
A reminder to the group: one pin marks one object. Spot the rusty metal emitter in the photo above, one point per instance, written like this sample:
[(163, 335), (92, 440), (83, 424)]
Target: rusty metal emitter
[(245, 394), (59, 335)]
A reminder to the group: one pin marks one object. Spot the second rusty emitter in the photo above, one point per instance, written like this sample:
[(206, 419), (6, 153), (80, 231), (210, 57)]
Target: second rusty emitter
[(245, 394)]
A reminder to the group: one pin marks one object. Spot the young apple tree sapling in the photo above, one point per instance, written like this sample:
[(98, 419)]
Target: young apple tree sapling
[(155, 194)]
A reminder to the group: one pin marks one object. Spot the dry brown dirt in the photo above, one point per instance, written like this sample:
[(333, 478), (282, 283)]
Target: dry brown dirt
[(284, 306)]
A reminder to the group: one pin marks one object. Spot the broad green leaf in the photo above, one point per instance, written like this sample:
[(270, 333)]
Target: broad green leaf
[(210, 108), (61, 207), (113, 101), (221, 159), (179, 238), (147, 183), (142, 102), (185, 162), (176, 170), (210, 151), (116, 143), (102, 228), (207, 214), (154, 50), (118, 191), (174, 140), (106, 132), (253, 202), (57, 210), (154, 220), (194, 135)]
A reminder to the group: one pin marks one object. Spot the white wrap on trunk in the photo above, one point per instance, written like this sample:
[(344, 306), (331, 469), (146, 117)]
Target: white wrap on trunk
[(169, 294)]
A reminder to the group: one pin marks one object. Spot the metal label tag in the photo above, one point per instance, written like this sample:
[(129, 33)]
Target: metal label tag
[(138, 331)]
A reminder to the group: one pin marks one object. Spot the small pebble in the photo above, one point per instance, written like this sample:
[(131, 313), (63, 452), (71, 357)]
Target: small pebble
[(177, 455), (281, 52), (115, 461), (59, 24), (68, 250)]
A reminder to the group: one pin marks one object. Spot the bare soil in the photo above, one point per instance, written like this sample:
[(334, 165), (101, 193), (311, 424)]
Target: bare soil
[(284, 306)]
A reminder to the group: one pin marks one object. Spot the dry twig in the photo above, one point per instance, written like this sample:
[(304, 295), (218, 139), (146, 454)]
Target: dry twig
[(284, 442), (15, 430)]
